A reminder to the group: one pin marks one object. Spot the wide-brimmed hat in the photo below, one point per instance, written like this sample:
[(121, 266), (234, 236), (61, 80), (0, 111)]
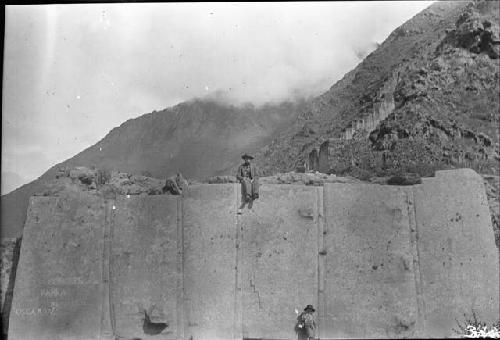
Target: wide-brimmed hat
[(246, 156), (309, 307)]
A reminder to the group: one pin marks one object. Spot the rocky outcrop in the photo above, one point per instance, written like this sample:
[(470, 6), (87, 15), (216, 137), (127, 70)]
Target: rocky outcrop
[(475, 33), (424, 100), (128, 184), (101, 182), (381, 106), (445, 108)]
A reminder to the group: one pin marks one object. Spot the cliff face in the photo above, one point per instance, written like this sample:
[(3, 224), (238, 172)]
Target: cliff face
[(375, 261), (428, 98)]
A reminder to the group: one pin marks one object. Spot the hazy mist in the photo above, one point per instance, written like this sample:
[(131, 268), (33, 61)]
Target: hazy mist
[(73, 72)]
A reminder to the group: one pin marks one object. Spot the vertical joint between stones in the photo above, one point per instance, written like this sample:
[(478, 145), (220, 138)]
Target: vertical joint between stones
[(320, 214), (414, 242), (238, 317), (180, 268)]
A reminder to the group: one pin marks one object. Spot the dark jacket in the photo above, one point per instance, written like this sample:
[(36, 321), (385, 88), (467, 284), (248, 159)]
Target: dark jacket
[(249, 171)]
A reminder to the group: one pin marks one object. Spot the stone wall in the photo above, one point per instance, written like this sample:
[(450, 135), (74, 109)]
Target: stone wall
[(324, 153), (314, 160), (375, 261), (382, 107), (59, 289), (330, 152)]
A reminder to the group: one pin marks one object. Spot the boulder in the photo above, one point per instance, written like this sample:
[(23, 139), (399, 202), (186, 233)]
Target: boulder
[(85, 175), (127, 184)]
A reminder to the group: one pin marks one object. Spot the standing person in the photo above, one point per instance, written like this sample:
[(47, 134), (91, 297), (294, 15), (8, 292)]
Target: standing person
[(249, 178), (305, 324)]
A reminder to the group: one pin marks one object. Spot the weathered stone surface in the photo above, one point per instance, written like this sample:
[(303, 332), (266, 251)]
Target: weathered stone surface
[(369, 280), (58, 290), (9, 253), (209, 233), (143, 265), (278, 259), (492, 186), (457, 254)]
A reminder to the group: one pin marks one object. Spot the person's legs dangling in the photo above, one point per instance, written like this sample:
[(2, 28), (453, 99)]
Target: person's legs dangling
[(255, 188)]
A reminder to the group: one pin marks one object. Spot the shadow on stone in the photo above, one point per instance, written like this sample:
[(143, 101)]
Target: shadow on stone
[(10, 290), (406, 179), (152, 328)]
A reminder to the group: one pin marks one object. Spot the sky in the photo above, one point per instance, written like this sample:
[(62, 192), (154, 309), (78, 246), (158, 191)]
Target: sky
[(73, 72)]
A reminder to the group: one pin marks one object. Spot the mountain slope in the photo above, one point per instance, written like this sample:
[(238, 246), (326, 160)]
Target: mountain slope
[(436, 94), (199, 138)]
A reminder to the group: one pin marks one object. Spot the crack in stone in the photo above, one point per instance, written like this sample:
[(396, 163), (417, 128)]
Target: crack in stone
[(255, 291)]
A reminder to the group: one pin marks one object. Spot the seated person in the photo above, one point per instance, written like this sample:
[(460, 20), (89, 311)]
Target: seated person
[(248, 176)]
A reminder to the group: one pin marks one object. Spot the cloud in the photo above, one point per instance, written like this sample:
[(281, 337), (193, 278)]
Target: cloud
[(11, 181), (28, 163), (362, 51), (73, 72)]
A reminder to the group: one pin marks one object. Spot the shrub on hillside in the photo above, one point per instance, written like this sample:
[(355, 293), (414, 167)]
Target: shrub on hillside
[(146, 173)]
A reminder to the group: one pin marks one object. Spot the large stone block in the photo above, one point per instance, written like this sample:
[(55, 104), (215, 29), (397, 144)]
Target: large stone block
[(369, 280), (144, 267), (58, 291), (278, 260), (458, 257), (209, 233)]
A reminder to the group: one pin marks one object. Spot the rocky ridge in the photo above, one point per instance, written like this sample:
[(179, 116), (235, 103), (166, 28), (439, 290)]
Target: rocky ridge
[(434, 83)]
